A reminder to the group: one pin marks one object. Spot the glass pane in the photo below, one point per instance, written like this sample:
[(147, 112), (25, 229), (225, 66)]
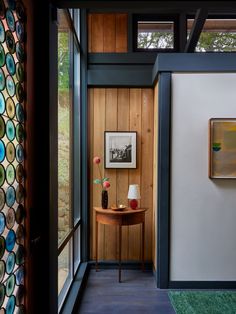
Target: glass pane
[(77, 250), (217, 35), (64, 126), (77, 22), (64, 271), (71, 13), (77, 171), (155, 35)]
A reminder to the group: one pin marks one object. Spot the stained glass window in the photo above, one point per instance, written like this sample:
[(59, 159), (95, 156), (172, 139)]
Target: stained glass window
[(12, 134)]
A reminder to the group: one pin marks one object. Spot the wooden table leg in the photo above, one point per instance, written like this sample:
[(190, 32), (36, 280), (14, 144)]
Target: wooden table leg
[(96, 246), (143, 244), (120, 235)]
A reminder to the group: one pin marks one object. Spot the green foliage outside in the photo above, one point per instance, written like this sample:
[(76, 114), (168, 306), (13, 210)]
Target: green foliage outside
[(208, 41), (216, 41), (63, 107), (157, 40), (63, 61), (64, 124)]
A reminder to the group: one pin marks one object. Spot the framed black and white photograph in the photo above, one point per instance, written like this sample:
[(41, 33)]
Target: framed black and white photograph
[(120, 149)]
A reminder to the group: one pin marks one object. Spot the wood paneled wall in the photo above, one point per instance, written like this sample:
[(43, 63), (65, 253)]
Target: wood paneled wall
[(122, 109), (107, 32)]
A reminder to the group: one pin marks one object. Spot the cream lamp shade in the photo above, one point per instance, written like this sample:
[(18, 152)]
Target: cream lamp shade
[(134, 192)]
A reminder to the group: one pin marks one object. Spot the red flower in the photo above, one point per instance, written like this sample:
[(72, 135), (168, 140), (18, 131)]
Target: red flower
[(106, 184), (96, 160)]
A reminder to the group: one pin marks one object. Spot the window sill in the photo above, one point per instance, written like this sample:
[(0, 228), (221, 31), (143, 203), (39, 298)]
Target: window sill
[(74, 295)]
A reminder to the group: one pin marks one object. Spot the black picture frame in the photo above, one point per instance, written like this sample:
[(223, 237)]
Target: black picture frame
[(120, 149)]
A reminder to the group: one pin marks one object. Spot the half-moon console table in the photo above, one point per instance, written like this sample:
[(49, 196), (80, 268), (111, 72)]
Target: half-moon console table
[(125, 217)]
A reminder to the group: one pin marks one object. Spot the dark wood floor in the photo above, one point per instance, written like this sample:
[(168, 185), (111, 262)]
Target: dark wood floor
[(136, 293)]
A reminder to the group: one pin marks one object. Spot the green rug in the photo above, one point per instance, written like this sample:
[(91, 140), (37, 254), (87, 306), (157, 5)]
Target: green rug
[(203, 302)]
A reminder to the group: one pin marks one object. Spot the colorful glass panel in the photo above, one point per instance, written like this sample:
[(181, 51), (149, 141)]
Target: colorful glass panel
[(11, 88), (10, 108), (10, 20), (10, 174), (2, 199), (2, 127), (2, 222), (10, 263), (10, 63), (2, 151), (10, 218), (19, 72), (11, 45), (2, 103), (2, 246), (2, 32), (12, 135), (11, 303), (19, 113), (2, 56), (2, 80), (2, 270), (20, 31), (2, 175), (2, 294)]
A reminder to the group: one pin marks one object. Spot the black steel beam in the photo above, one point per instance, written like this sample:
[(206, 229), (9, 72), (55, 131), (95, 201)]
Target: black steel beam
[(194, 62), (120, 78), (196, 30), (182, 32), (122, 58), (166, 6)]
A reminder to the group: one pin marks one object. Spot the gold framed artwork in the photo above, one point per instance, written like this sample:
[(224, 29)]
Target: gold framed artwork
[(222, 148)]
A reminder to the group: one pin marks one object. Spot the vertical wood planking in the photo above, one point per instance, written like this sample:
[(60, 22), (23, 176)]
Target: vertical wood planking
[(91, 141), (90, 32), (97, 31), (107, 32), (121, 32), (135, 115), (155, 168), (147, 166), (123, 174), (98, 150), (109, 24), (123, 110), (111, 125)]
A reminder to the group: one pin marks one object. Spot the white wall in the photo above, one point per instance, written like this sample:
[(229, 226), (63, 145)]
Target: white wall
[(203, 211)]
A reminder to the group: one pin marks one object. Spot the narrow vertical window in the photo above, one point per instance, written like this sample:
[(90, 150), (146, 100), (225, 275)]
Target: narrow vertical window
[(68, 154), (64, 148)]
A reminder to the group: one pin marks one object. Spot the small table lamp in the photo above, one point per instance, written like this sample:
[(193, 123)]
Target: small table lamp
[(134, 195)]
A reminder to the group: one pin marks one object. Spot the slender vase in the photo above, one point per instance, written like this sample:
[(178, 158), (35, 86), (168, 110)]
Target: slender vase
[(104, 199)]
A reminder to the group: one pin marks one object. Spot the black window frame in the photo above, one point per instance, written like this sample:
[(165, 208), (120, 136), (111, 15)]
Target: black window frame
[(157, 18)]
